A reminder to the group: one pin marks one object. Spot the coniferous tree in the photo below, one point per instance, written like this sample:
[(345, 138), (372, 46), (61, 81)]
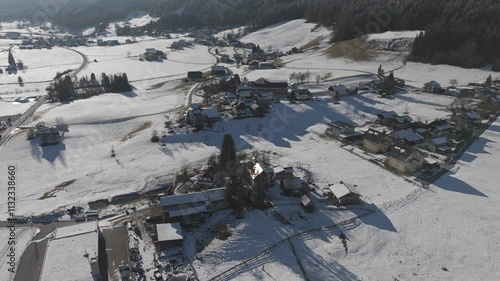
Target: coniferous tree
[(227, 156), (12, 61)]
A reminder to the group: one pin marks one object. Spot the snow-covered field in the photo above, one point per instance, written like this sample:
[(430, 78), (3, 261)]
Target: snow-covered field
[(413, 234)]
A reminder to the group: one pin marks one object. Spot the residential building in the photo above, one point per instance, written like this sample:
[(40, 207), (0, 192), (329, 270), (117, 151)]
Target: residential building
[(277, 87), (340, 127), (345, 194), (260, 173), (440, 145), (405, 160), (195, 75), (432, 87), (218, 70), (377, 142), (267, 65), (338, 90), (190, 208), (257, 110), (198, 115), (407, 136), (302, 94)]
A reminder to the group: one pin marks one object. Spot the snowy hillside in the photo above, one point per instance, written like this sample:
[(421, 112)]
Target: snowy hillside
[(284, 36)]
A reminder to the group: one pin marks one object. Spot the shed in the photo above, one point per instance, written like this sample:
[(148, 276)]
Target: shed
[(306, 203)]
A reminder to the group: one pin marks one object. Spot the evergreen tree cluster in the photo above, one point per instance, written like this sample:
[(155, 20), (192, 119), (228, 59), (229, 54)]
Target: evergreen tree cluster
[(65, 88)]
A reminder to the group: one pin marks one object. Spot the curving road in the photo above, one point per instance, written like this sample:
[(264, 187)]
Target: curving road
[(8, 132)]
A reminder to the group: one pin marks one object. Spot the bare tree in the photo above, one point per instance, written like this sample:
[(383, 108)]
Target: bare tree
[(318, 78), (454, 82)]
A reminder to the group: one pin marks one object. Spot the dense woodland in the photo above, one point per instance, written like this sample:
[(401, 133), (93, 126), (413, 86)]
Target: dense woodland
[(66, 89), (458, 32)]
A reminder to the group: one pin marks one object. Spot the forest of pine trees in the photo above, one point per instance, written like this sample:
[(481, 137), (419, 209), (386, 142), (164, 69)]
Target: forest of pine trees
[(66, 89)]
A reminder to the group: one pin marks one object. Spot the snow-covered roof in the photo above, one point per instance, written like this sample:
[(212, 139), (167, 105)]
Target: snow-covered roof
[(68, 254), (211, 112), (169, 232), (342, 189), (183, 199), (473, 115), (77, 229), (433, 83), (338, 88), (388, 114), (440, 141)]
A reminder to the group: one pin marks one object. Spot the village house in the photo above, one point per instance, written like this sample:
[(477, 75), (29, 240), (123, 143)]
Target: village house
[(196, 115), (345, 194), (195, 76), (238, 108), (190, 208), (277, 87), (405, 160), (292, 186), (48, 136), (338, 90), (386, 117), (307, 204), (257, 110), (301, 94), (440, 145), (253, 64), (265, 99), (407, 136), (282, 172), (432, 87), (400, 121), (377, 142), (467, 119), (338, 128), (225, 59), (218, 70), (259, 173), (267, 65), (169, 235), (245, 95), (440, 126)]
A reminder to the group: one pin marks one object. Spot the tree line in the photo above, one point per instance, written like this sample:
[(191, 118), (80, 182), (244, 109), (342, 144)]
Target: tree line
[(65, 88)]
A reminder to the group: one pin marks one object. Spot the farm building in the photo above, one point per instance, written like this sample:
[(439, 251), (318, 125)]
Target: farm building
[(302, 94), (277, 87), (345, 194)]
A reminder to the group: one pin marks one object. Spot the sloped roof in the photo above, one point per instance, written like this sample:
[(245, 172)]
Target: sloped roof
[(375, 136), (440, 141), (169, 232), (305, 200), (342, 189), (403, 154), (338, 88), (183, 199)]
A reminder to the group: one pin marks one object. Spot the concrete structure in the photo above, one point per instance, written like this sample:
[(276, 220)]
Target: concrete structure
[(73, 254)]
